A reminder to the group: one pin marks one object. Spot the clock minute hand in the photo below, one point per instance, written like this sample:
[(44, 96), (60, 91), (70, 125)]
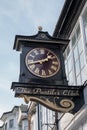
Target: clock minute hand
[(38, 61), (42, 60)]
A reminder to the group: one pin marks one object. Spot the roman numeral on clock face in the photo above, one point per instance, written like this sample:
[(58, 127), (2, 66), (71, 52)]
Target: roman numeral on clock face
[(37, 70), (36, 52), (31, 55), (53, 67), (50, 72), (42, 51), (55, 62), (43, 73), (32, 66)]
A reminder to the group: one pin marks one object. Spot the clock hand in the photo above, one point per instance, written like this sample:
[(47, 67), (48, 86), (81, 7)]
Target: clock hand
[(42, 60), (38, 61)]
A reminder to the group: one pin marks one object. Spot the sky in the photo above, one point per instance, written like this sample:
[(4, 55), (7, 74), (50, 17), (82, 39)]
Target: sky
[(20, 17)]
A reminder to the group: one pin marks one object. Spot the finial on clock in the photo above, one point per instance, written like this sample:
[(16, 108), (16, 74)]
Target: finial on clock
[(40, 28)]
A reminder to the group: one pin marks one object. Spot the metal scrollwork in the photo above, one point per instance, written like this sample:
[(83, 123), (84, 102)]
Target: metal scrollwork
[(66, 103)]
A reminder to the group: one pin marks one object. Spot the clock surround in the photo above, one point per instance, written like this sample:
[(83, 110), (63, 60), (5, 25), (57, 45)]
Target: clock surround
[(56, 46)]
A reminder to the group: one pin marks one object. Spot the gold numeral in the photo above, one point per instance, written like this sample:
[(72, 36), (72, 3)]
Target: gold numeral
[(50, 72), (55, 63), (32, 55), (36, 52), (53, 67), (37, 70), (32, 66), (42, 51), (29, 61), (43, 73)]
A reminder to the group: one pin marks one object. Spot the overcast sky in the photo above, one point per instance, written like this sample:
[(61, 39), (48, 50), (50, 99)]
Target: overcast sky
[(20, 17)]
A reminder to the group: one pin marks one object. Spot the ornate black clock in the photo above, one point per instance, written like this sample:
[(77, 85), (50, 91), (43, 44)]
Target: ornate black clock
[(41, 59), (42, 73)]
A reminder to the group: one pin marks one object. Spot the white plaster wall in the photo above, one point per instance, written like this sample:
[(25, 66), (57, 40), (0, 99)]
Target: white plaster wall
[(34, 122), (15, 122), (65, 120)]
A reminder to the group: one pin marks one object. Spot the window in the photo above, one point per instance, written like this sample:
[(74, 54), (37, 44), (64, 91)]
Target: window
[(75, 53), (78, 56), (48, 118), (82, 61), (78, 31), (75, 59), (73, 40), (11, 123), (40, 116), (76, 35), (68, 50), (85, 22)]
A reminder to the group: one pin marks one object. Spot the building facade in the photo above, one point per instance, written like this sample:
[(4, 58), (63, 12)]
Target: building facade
[(15, 119), (72, 24)]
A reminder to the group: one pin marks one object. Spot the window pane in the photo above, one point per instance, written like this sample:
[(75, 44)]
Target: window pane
[(75, 53), (69, 64), (68, 50), (80, 45), (71, 78), (86, 31), (78, 80), (84, 75), (85, 22), (78, 31), (64, 55), (82, 61), (73, 40), (77, 67), (11, 123)]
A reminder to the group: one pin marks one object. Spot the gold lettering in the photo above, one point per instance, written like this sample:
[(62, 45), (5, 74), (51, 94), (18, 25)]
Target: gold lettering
[(36, 90), (70, 93)]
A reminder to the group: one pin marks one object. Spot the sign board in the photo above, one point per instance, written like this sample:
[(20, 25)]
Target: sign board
[(58, 98)]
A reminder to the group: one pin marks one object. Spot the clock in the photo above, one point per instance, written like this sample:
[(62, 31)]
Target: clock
[(42, 62)]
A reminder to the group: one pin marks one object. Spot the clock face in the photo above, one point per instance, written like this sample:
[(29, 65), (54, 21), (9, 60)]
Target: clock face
[(42, 62)]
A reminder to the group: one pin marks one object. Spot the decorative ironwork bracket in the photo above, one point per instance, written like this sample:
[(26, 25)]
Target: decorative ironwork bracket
[(58, 98)]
